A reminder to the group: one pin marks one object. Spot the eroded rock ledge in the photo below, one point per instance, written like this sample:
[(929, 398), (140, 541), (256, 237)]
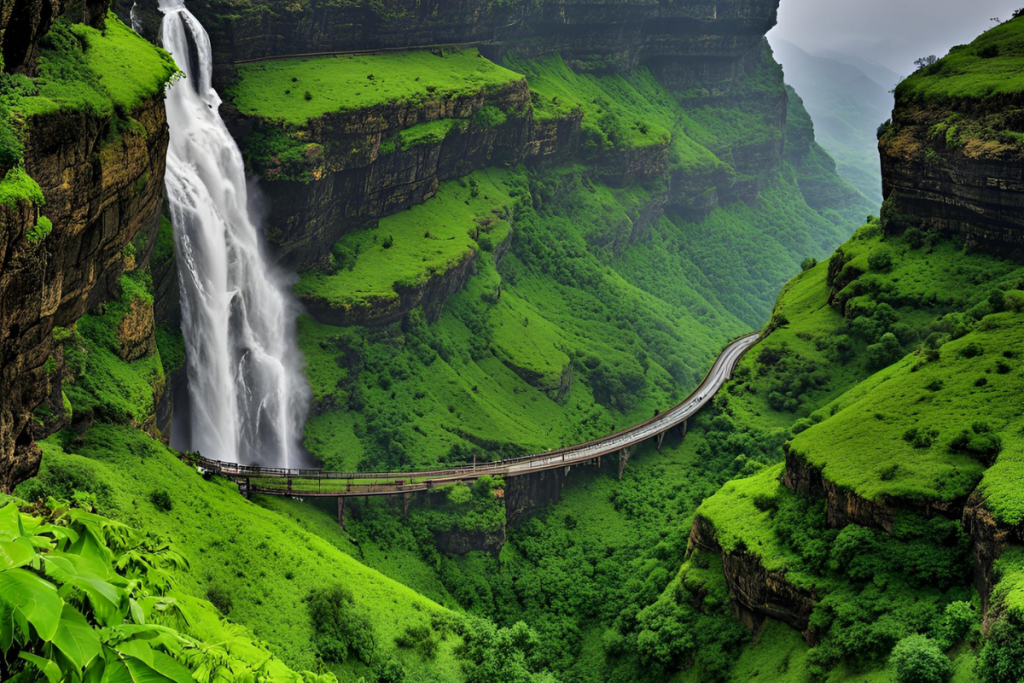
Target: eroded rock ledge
[(845, 507)]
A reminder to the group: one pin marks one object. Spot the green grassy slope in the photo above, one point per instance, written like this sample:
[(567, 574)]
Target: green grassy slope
[(924, 427), (405, 250), (258, 564), (988, 67)]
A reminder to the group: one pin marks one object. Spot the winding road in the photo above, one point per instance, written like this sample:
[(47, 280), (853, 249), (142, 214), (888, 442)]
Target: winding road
[(325, 483)]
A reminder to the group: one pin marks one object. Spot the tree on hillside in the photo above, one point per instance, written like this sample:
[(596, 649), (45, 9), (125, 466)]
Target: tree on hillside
[(925, 61), (918, 659)]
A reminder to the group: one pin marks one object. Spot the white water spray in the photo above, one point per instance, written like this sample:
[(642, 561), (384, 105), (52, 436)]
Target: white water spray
[(248, 396)]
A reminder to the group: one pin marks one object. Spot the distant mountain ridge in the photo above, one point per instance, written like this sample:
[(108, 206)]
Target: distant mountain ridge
[(847, 106)]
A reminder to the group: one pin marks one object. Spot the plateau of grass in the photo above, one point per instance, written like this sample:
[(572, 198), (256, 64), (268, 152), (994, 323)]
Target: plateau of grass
[(103, 72), (405, 250), (276, 90), (741, 513), (991, 66)]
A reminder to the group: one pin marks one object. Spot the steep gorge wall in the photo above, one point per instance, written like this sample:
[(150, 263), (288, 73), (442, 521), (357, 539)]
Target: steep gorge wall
[(97, 192), (97, 198)]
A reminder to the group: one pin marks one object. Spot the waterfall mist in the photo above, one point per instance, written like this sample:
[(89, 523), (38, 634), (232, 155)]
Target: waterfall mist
[(247, 394)]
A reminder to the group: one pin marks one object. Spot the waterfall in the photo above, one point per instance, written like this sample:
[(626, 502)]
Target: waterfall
[(247, 392), (134, 16)]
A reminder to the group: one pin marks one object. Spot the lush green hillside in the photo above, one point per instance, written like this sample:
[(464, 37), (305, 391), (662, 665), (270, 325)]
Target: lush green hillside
[(606, 303)]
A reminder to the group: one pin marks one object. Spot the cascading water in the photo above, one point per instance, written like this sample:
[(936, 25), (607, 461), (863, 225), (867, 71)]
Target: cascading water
[(247, 393)]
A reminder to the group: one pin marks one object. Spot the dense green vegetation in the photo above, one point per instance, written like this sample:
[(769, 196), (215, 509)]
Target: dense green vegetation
[(296, 90), (389, 632), (598, 575), (935, 408), (596, 317)]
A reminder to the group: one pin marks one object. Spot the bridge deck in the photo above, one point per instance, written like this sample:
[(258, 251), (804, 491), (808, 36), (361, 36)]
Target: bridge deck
[(316, 482)]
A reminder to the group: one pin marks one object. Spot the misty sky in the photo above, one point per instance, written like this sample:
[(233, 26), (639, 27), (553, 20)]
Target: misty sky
[(891, 32)]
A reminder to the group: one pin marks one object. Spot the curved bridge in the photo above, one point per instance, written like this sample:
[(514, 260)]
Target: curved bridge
[(313, 482)]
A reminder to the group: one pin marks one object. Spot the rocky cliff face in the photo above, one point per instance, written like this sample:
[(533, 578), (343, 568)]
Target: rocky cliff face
[(939, 172), (357, 170), (757, 593), (620, 33), (62, 257)]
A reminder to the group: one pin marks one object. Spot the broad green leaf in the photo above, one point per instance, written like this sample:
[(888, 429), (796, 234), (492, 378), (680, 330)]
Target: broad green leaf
[(132, 670), (76, 638), (10, 522), (16, 553), (138, 615), (37, 600), (90, 544), (170, 668), (6, 627), (107, 602), (47, 667), (59, 568), (157, 661)]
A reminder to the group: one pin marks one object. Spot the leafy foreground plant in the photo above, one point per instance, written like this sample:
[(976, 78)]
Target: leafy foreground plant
[(84, 598)]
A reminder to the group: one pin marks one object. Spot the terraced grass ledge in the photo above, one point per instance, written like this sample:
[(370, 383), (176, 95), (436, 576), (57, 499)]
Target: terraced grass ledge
[(417, 257), (306, 118), (276, 91), (737, 522), (921, 435)]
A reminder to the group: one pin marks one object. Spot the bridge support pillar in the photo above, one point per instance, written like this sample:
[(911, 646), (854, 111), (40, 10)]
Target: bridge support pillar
[(684, 427), (660, 439), (623, 459), (341, 512), (246, 491), (406, 497)]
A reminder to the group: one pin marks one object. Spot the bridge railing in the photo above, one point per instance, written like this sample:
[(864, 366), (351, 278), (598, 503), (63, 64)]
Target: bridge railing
[(429, 477)]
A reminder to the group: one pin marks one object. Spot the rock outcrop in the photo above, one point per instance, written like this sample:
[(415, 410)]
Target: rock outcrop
[(953, 183), (757, 593), (989, 538)]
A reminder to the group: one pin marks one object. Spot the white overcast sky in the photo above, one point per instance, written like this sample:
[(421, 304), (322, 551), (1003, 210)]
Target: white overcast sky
[(891, 32)]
